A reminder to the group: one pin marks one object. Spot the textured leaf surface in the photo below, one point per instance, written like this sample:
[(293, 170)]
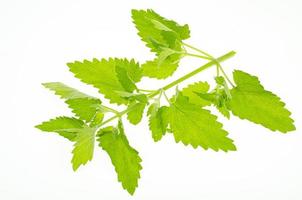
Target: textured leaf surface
[(124, 158), (64, 126), (102, 75), (158, 120), (84, 108), (82, 105), (198, 87), (136, 113), (83, 147), (252, 102), (193, 125), (65, 91), (164, 38), (153, 70), (157, 31)]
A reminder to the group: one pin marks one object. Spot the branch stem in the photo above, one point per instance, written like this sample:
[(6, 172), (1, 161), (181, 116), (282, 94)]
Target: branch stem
[(174, 83)]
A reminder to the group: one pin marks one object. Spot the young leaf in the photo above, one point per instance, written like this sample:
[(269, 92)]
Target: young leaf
[(103, 75), (164, 38), (84, 108), (83, 147), (158, 120), (152, 29), (124, 79), (97, 119), (64, 126), (82, 105), (198, 87), (124, 158), (252, 102), (152, 68), (136, 112), (196, 126)]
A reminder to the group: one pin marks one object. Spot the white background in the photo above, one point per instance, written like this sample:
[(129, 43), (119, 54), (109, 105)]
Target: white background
[(38, 37)]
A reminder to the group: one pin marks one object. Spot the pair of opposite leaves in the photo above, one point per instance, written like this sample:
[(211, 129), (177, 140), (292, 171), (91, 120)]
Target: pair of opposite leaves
[(185, 117)]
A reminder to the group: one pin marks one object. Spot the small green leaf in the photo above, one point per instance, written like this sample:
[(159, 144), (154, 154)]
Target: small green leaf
[(196, 126), (252, 102), (124, 79), (158, 120), (82, 105), (97, 119), (84, 108), (136, 112), (124, 158), (152, 68), (198, 87), (151, 27), (64, 126), (164, 55), (83, 147)]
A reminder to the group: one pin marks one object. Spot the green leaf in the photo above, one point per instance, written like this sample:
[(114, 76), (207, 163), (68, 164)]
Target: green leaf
[(97, 119), (136, 112), (133, 96), (102, 74), (65, 91), (158, 120), (124, 158), (152, 29), (152, 68), (82, 105), (163, 37), (252, 102), (196, 126), (198, 87), (83, 147), (84, 108), (64, 126), (124, 79), (164, 55)]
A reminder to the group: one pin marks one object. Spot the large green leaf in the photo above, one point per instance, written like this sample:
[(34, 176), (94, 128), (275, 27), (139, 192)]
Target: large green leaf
[(82, 105), (64, 126), (124, 158), (196, 126), (252, 102), (108, 76)]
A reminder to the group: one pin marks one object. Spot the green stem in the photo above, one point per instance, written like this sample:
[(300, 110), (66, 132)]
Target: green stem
[(109, 109), (174, 83), (196, 71), (143, 90), (198, 50), (225, 75), (198, 56), (210, 58)]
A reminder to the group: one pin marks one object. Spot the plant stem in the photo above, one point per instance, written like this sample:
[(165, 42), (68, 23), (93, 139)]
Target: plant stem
[(198, 56), (196, 71), (225, 75), (143, 90), (210, 57), (109, 109), (198, 50), (174, 83)]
